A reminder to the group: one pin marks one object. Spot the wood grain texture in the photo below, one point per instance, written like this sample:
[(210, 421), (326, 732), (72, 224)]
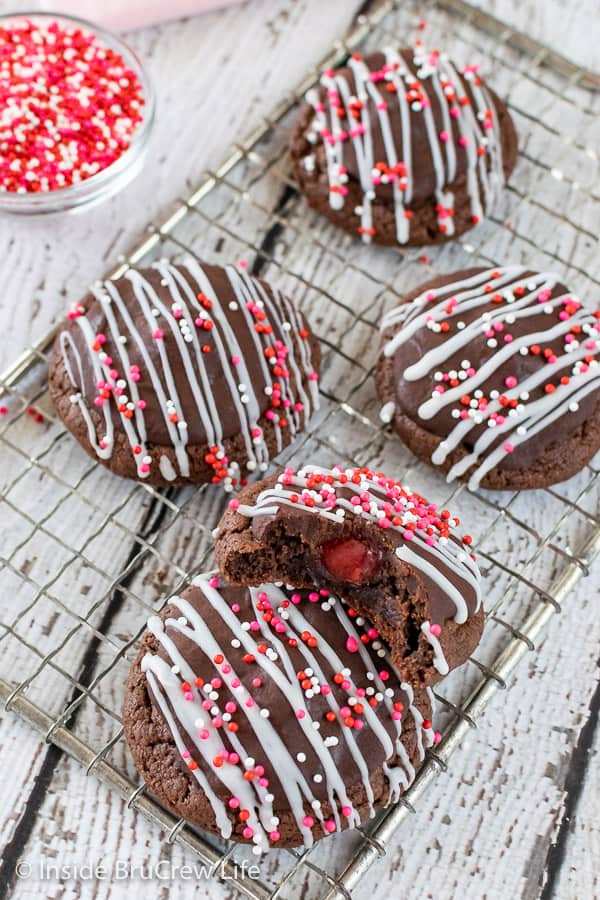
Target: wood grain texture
[(488, 828)]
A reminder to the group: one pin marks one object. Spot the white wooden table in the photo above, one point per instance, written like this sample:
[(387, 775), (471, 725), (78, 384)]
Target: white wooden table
[(519, 815)]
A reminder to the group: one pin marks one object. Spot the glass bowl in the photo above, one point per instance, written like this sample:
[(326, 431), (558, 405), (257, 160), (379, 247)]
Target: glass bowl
[(108, 181)]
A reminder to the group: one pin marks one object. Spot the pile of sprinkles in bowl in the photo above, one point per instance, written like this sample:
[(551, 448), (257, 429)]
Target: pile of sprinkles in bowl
[(69, 105)]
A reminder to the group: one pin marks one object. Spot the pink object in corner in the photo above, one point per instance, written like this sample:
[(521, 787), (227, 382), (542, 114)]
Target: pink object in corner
[(123, 15)]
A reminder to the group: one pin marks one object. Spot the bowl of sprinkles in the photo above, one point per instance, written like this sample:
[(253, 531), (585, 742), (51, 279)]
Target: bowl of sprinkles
[(76, 111)]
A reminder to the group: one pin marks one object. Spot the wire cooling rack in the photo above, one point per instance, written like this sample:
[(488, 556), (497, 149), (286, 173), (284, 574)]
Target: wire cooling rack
[(86, 557)]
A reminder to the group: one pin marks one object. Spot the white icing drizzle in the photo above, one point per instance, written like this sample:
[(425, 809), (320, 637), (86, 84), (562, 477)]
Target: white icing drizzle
[(187, 719), (522, 297), (386, 413), (170, 315), (469, 123), (439, 660), (440, 559)]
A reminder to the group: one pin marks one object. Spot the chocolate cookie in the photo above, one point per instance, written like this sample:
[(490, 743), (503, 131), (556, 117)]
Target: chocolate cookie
[(403, 148), (385, 550), (185, 373), (492, 374), (270, 716)]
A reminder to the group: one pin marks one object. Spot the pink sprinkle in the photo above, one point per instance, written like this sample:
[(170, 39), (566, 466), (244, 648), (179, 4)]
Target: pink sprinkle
[(396, 714), (308, 821), (249, 702), (214, 582), (248, 832), (233, 802), (204, 734), (346, 811), (444, 136), (384, 675), (186, 754), (509, 448), (510, 381), (300, 713), (243, 263), (329, 825), (436, 630), (234, 504), (274, 835), (351, 644), (436, 737), (235, 360), (158, 334)]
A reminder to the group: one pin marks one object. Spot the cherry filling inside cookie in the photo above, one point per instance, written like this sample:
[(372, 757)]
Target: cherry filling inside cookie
[(350, 560)]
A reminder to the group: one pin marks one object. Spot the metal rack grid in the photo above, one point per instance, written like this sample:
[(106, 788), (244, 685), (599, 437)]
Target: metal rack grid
[(74, 605)]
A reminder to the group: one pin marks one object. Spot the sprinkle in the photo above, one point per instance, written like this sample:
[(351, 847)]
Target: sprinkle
[(351, 644)]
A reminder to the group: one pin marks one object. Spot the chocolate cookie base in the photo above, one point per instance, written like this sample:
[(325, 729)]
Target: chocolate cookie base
[(557, 462), (161, 767), (394, 600), (122, 462), (424, 227)]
